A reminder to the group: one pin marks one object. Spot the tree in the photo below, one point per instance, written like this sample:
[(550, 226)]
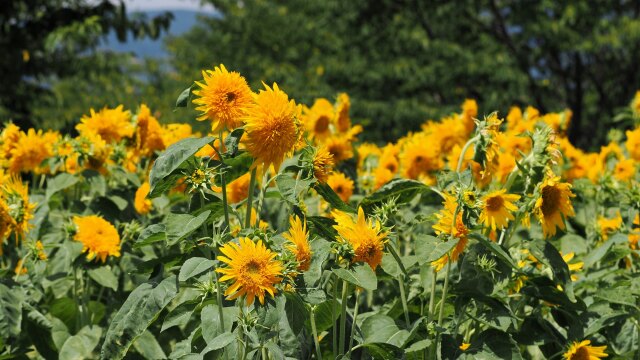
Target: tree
[(406, 61), (43, 41)]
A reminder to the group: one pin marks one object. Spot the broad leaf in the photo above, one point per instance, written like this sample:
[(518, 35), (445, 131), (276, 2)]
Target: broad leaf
[(361, 275)]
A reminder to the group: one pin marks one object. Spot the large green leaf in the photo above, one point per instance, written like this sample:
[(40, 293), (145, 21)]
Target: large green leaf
[(598, 253), (141, 308), (402, 189), (163, 174), (151, 234), (193, 267), (332, 198), (183, 98), (381, 351), (383, 329), (430, 248), (81, 345), (291, 187), (210, 320), (147, 345), (361, 275), (104, 276), (179, 226), (547, 254), (58, 183), (10, 311)]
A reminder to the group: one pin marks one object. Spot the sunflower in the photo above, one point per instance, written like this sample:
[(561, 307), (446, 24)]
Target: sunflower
[(253, 268), (365, 237), (339, 147), (238, 189), (148, 132), (322, 164), (99, 237), (497, 208), (318, 118), (31, 149), (17, 209), (608, 226), (382, 175), (111, 124), (222, 98), (624, 170), (633, 143), (419, 158), (584, 351), (445, 225), (141, 203), (299, 246), (172, 133), (469, 113), (343, 121), (8, 139), (341, 185), (389, 158), (366, 150), (272, 127), (553, 205)]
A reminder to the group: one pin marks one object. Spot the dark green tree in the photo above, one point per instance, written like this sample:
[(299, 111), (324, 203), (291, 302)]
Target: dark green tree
[(405, 61), (45, 41)]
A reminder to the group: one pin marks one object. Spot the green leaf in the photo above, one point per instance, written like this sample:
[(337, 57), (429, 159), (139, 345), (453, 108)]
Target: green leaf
[(183, 98), (291, 188), (232, 141), (140, 310), (619, 295), (219, 342), (59, 183), (179, 226), (497, 250), (383, 329), (81, 345), (120, 203), (194, 266), (332, 198), (210, 320), (147, 345), (104, 276), (547, 254), (151, 234), (402, 189), (381, 351), (323, 314), (180, 315), (163, 175), (10, 311), (596, 255), (430, 248), (274, 350), (323, 227), (235, 167), (361, 275), (66, 310)]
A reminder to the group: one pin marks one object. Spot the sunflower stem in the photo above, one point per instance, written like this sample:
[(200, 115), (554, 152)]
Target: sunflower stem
[(223, 184), (220, 304), (334, 317), (263, 351), (343, 316), (353, 324), (464, 151), (252, 185), (314, 332), (403, 297), (444, 292)]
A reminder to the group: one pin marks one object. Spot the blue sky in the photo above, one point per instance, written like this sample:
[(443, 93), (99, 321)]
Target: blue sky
[(143, 5)]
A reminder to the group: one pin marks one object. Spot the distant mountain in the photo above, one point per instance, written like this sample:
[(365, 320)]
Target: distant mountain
[(183, 20)]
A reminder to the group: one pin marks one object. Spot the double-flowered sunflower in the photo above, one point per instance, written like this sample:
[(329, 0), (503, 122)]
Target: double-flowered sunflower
[(99, 237), (365, 237)]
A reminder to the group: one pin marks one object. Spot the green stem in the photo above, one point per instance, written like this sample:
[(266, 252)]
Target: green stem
[(314, 332), (252, 185), (432, 297), (444, 292), (264, 353), (464, 151), (353, 325), (220, 303), (403, 297), (242, 346), (343, 316), (334, 317), (223, 184)]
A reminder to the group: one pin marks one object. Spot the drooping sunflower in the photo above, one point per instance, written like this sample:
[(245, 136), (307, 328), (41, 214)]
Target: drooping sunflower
[(99, 237), (253, 268), (553, 205), (140, 202), (322, 164), (17, 208), (222, 98), (272, 127), (497, 207), (111, 124), (341, 185), (365, 237), (148, 132), (299, 246), (584, 351), (446, 225)]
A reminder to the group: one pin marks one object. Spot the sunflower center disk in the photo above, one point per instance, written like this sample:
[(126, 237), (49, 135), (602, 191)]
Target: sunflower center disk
[(550, 200)]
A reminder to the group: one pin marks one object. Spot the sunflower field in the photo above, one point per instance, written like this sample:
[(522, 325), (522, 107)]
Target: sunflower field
[(279, 235)]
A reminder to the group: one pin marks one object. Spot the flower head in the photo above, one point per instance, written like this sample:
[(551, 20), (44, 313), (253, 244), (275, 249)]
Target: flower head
[(322, 164), (272, 127), (365, 237), (318, 118), (497, 207), (140, 202), (222, 98), (299, 242), (15, 208), (99, 237), (111, 124), (253, 268), (456, 229), (584, 351), (341, 185), (553, 205)]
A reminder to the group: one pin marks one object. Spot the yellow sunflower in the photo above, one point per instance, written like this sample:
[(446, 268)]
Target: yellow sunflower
[(17, 210), (343, 121), (318, 118), (341, 185), (469, 113), (339, 147), (253, 268), (553, 205), (8, 139), (111, 124), (497, 207), (31, 149), (222, 98), (624, 170), (389, 158), (446, 225), (322, 164), (99, 237), (272, 127), (584, 351), (140, 202), (365, 237), (608, 226), (365, 150), (172, 133), (148, 132), (419, 158), (238, 189), (633, 143), (299, 238)]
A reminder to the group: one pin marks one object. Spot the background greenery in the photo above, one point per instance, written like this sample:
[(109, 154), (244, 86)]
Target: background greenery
[(402, 61)]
